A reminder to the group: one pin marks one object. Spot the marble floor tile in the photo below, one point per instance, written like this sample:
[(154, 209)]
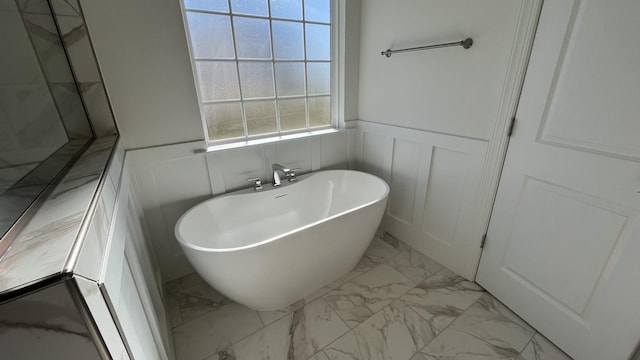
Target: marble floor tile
[(414, 265), (214, 331), (378, 252), (452, 344), (488, 320), (539, 348), (442, 298), (357, 300), (297, 336), (319, 356), (173, 311), (193, 298), (269, 317), (185, 282), (396, 305), (323, 290), (395, 333)]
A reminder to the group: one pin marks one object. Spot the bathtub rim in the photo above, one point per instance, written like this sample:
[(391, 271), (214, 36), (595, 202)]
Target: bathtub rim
[(189, 245)]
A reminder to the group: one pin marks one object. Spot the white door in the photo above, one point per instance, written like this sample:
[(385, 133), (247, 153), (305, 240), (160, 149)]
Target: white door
[(563, 246)]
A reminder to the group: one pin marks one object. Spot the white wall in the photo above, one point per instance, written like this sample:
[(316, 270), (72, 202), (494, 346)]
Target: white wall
[(433, 123), (351, 51), (450, 90), (142, 52)]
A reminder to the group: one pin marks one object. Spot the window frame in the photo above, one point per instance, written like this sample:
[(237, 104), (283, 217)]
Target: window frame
[(246, 139)]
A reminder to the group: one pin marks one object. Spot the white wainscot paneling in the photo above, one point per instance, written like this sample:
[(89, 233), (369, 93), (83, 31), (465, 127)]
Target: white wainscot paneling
[(404, 177), (435, 182), (230, 169), (171, 179)]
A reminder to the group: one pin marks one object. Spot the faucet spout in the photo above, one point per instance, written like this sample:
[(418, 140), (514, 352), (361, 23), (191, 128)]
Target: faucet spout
[(277, 170)]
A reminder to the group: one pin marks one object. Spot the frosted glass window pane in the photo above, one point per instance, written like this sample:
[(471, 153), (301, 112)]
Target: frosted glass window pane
[(319, 111), (318, 42), (210, 35), (317, 10), (287, 40), (318, 78), (224, 121), (211, 5), (261, 117), (252, 38), (218, 80), (287, 9), (290, 78), (292, 114), (256, 79), (251, 7)]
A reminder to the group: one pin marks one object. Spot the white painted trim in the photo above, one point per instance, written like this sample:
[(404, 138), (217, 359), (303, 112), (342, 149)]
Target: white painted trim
[(271, 139), (338, 62), (512, 88)]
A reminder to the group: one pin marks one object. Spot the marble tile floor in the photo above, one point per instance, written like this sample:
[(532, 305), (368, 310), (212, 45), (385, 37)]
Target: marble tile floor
[(396, 304)]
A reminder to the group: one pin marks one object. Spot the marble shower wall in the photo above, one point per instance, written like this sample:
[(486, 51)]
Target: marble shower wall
[(85, 67), (80, 87), (45, 325), (30, 125)]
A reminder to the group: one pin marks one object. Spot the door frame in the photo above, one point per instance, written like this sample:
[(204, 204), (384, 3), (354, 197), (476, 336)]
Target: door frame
[(505, 119)]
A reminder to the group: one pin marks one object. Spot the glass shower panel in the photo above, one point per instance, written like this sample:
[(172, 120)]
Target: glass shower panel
[(43, 120)]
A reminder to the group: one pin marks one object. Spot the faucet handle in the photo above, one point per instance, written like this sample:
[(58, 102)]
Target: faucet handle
[(291, 175), (257, 183)]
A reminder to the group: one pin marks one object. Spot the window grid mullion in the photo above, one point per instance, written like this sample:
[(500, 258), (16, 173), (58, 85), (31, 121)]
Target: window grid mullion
[(235, 52), (273, 66), (231, 13), (289, 97), (275, 98), (262, 60), (304, 48)]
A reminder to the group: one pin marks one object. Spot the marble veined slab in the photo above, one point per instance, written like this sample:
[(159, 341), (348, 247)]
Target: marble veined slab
[(42, 248)]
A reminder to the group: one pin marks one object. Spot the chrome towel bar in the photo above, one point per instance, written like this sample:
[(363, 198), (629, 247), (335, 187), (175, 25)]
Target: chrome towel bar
[(466, 43)]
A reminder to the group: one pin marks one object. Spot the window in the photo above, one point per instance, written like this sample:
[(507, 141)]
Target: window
[(262, 67)]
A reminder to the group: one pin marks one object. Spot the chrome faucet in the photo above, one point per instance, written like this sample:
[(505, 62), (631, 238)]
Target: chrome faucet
[(290, 174), (277, 169)]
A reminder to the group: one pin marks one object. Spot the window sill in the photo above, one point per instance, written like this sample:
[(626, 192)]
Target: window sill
[(268, 140)]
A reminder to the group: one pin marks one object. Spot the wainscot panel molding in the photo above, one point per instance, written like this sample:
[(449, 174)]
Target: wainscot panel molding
[(174, 178), (435, 182)]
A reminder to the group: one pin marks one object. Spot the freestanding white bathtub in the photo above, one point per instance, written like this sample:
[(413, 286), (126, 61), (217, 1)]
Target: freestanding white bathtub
[(271, 248)]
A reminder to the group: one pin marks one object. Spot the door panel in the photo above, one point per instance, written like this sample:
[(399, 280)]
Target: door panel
[(564, 236)]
